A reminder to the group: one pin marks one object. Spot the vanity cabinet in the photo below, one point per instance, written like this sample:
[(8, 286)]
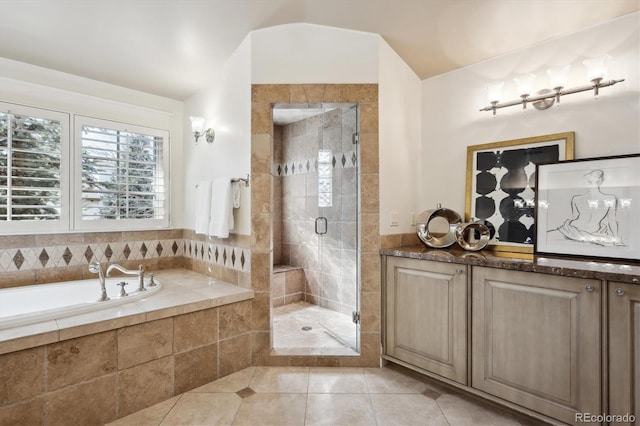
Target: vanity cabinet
[(624, 350), (426, 316), (536, 340)]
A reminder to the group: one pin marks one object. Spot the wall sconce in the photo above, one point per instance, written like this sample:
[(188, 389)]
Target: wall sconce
[(197, 124), (544, 98)]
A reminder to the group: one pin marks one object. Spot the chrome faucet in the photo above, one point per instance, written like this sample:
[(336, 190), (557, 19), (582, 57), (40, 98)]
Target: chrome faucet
[(139, 273), (95, 268)]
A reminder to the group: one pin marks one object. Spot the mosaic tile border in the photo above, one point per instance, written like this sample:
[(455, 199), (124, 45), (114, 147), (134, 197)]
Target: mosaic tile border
[(345, 160), (236, 258), (49, 257)]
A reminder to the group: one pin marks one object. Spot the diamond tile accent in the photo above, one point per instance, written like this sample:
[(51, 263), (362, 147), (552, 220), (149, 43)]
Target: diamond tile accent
[(67, 256), (18, 259), (88, 254), (108, 252), (224, 256), (242, 259), (343, 160), (233, 258), (126, 251), (209, 252), (143, 250), (44, 258), (217, 254), (174, 247), (245, 393)]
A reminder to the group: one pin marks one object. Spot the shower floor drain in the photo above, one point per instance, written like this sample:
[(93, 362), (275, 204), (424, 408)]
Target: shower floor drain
[(306, 328)]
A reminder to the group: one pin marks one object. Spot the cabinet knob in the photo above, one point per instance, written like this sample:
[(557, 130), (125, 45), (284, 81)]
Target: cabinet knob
[(619, 292), (459, 271), (589, 288)]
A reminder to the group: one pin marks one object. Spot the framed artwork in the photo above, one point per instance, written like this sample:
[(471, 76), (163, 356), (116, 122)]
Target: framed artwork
[(589, 208), (500, 187)]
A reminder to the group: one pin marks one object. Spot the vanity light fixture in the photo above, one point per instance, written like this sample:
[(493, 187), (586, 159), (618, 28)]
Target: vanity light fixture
[(545, 98), (197, 126)]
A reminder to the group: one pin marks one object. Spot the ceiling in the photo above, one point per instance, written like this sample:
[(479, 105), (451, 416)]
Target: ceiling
[(172, 47)]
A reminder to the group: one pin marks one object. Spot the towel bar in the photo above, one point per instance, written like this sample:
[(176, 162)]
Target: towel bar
[(245, 180)]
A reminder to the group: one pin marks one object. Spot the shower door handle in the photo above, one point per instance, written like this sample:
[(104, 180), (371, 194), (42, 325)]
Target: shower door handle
[(321, 225)]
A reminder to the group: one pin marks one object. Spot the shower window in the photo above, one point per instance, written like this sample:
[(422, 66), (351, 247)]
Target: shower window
[(325, 174)]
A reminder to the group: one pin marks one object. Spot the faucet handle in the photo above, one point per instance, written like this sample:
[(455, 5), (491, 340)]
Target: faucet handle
[(122, 292), (151, 282)]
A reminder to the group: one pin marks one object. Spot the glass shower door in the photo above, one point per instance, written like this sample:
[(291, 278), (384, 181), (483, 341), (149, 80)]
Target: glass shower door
[(337, 223)]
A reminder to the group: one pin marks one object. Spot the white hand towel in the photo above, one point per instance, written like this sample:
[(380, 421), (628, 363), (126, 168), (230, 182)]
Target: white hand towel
[(203, 207), (235, 191), (221, 208)]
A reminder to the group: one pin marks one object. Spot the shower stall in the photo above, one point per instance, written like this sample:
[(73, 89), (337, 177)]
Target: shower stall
[(315, 284)]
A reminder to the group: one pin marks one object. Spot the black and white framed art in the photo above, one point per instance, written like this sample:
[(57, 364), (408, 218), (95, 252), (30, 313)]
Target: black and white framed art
[(589, 208), (500, 188)]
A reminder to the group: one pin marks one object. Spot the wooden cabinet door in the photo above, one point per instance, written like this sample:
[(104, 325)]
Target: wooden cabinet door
[(426, 316), (536, 340), (624, 351)]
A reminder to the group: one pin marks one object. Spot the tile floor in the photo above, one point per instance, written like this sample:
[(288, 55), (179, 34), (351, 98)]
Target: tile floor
[(331, 333), (323, 396)]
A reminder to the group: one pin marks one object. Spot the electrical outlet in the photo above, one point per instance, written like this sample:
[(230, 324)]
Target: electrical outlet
[(394, 218), (414, 218)]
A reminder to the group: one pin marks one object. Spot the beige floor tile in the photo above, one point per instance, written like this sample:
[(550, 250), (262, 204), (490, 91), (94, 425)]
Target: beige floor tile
[(339, 409), (264, 409), (337, 380), (328, 329), (461, 411), (386, 380), (280, 380), (151, 416), (407, 410), (231, 383), (203, 409)]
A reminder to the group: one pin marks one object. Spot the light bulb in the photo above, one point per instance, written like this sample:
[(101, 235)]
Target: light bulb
[(597, 67), (558, 76), (494, 92), (525, 84), (197, 124)]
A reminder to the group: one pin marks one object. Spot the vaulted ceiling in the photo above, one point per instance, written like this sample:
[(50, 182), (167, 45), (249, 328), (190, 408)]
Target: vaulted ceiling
[(172, 47)]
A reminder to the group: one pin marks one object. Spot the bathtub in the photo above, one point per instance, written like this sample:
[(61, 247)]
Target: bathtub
[(35, 303)]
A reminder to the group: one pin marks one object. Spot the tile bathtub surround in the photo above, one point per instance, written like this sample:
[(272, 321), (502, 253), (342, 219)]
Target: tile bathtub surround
[(263, 247), (45, 258), (123, 370), (313, 396)]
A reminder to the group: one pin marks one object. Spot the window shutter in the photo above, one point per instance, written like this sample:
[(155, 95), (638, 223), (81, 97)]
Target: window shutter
[(123, 174), (30, 168)]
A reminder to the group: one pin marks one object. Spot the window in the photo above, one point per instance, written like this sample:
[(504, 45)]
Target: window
[(121, 175), (115, 177), (34, 189)]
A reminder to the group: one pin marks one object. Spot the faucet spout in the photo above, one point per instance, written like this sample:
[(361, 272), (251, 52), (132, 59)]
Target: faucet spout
[(139, 273), (95, 268)]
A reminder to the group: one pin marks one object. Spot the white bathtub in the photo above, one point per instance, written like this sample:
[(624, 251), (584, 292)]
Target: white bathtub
[(35, 303)]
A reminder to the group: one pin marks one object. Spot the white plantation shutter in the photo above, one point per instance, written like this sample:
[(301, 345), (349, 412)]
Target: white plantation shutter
[(123, 174), (34, 190)]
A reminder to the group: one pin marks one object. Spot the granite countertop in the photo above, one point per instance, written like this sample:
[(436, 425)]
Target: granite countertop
[(591, 269)]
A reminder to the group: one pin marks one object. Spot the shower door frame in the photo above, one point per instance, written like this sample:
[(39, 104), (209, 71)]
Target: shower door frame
[(332, 222)]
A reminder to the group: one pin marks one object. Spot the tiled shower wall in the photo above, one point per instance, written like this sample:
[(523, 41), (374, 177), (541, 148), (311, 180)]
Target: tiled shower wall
[(45, 258), (329, 260)]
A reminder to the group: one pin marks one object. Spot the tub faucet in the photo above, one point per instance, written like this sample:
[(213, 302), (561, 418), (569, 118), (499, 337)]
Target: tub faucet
[(139, 273), (95, 268)]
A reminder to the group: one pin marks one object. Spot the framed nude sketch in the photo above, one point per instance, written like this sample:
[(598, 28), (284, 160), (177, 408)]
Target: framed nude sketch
[(589, 208), (500, 188)]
